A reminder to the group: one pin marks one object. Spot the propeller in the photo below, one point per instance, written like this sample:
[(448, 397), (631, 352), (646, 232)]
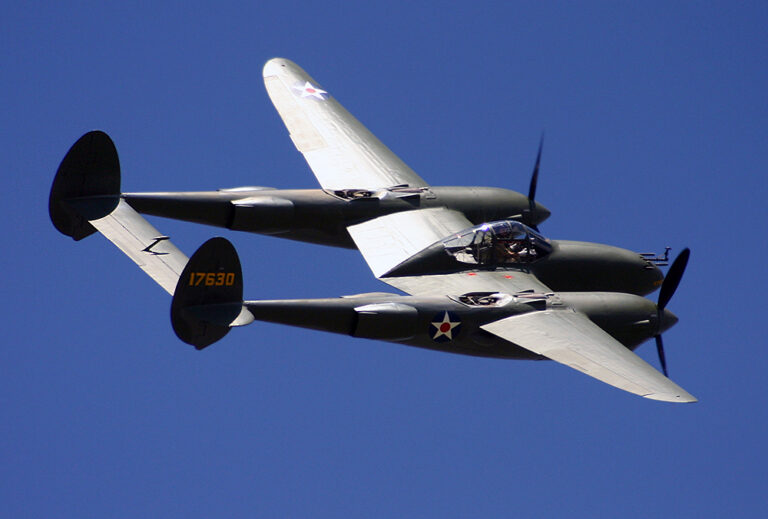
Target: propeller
[(668, 287), (528, 216)]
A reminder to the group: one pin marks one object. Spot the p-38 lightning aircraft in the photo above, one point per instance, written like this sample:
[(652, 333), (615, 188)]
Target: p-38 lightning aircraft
[(480, 278)]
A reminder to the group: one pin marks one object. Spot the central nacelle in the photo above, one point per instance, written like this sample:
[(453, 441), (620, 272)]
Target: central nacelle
[(560, 265), (500, 244)]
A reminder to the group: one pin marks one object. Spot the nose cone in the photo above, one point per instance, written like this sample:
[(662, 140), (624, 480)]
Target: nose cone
[(585, 266), (668, 320)]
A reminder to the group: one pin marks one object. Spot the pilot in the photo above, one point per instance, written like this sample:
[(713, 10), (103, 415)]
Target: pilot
[(506, 251), (525, 251)]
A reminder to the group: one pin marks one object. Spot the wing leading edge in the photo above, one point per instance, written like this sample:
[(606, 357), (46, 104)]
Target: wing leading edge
[(572, 339), (341, 152)]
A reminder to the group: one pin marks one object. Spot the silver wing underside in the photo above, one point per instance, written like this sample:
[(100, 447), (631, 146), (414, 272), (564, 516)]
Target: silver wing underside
[(341, 152), (572, 339)]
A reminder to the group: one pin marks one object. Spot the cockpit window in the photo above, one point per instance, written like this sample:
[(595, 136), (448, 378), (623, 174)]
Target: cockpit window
[(500, 243)]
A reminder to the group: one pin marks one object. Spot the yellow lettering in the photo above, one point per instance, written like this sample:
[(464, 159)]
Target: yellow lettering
[(212, 279)]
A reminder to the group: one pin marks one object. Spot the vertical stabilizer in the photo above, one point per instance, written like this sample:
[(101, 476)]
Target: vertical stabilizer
[(90, 170), (208, 299)]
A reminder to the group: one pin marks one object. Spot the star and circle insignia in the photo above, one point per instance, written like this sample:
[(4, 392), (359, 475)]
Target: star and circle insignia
[(444, 327), (310, 90)]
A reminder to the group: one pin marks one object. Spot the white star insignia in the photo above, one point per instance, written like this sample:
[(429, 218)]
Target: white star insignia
[(445, 327), (309, 90)]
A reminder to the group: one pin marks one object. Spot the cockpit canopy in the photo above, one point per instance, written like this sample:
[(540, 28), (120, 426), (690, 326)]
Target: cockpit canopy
[(498, 243), (505, 243)]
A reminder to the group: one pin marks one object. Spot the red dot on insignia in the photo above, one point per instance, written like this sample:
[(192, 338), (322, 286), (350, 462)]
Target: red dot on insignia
[(445, 327), (509, 277), (311, 90), (472, 274)]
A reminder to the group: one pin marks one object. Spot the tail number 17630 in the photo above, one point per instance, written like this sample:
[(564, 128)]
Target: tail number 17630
[(212, 279)]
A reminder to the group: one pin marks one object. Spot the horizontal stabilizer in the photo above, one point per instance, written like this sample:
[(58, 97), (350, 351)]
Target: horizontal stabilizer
[(209, 295), (140, 241), (85, 198)]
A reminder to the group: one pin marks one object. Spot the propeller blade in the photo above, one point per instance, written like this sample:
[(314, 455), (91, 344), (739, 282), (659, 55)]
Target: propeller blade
[(662, 358), (672, 279), (668, 287), (535, 175), (529, 220)]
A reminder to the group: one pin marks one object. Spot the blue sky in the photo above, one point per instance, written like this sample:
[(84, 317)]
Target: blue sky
[(656, 122)]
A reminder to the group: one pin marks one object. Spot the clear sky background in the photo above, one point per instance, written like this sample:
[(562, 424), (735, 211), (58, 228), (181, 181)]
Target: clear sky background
[(656, 120)]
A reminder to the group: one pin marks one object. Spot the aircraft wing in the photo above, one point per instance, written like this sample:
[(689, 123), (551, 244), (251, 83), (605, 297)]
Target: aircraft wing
[(388, 240), (572, 339), (505, 281), (138, 239), (341, 152), (562, 334)]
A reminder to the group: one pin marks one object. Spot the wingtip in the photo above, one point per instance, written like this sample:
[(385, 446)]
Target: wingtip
[(276, 66), (681, 398)]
